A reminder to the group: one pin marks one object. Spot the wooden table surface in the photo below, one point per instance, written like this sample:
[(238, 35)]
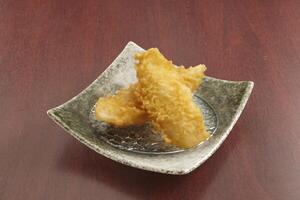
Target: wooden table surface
[(51, 50)]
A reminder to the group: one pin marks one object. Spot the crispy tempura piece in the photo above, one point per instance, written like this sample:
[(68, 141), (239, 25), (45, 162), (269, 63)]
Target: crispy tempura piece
[(167, 101), (122, 109)]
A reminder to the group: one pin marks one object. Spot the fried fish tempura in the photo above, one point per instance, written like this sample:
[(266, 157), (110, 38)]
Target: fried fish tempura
[(167, 101), (123, 109)]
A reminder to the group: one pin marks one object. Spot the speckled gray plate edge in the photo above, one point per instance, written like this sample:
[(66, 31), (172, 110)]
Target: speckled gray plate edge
[(228, 109)]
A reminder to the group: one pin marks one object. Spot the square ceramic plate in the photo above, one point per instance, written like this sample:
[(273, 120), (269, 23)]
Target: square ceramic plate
[(227, 98)]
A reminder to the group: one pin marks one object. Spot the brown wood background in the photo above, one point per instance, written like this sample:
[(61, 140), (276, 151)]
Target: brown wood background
[(51, 49)]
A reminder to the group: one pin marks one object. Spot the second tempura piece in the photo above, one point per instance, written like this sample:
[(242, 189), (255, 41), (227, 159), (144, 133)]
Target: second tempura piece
[(168, 102), (121, 109)]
